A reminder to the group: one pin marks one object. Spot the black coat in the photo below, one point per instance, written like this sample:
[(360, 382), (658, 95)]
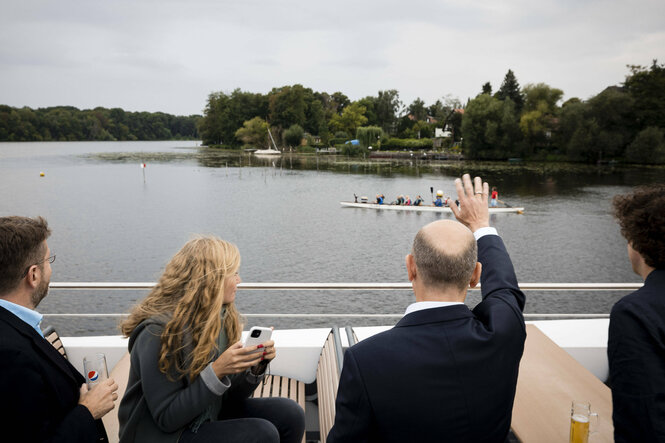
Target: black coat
[(40, 390), (636, 353), (441, 374)]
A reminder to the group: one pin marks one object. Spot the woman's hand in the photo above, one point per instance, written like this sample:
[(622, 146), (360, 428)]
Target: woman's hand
[(237, 359), (269, 353)]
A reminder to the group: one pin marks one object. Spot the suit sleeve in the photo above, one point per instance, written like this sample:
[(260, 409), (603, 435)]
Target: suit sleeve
[(172, 403), (25, 404), (638, 394), (353, 412), (499, 288)]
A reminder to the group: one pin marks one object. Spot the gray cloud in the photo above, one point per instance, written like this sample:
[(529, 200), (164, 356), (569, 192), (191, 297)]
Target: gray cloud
[(169, 55)]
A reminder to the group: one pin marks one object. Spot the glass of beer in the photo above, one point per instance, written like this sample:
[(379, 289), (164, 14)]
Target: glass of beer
[(583, 422), (94, 367)]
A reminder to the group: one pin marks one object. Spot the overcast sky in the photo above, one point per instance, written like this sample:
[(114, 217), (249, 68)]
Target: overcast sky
[(168, 56)]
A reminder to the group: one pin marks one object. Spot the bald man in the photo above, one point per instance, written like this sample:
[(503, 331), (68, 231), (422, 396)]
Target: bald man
[(444, 372)]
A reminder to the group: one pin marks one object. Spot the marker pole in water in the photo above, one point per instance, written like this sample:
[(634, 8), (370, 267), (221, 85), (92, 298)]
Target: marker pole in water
[(143, 169)]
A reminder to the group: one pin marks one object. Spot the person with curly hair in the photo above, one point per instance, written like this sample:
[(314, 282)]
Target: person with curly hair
[(636, 343), (190, 376)]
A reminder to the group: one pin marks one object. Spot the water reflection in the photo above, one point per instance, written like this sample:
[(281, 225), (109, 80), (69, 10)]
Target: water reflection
[(524, 179)]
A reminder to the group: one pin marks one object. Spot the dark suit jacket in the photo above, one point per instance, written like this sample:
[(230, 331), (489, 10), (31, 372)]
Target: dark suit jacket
[(636, 353), (40, 390), (441, 374)]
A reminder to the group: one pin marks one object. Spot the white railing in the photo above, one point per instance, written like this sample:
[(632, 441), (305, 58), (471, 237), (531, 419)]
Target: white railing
[(352, 286), (626, 287)]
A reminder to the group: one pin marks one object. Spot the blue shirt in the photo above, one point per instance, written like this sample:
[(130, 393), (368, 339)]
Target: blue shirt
[(32, 318)]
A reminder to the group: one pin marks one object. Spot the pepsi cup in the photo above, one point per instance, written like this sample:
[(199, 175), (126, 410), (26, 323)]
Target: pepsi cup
[(94, 367)]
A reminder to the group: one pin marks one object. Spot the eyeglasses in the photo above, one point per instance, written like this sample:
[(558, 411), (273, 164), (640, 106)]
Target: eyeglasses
[(50, 259)]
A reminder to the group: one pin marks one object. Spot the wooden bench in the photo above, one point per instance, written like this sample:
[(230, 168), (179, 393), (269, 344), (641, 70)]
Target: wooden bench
[(549, 380), (278, 386), (327, 382)]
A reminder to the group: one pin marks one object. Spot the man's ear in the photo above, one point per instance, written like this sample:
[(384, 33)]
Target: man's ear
[(475, 277), (33, 276), (411, 267)]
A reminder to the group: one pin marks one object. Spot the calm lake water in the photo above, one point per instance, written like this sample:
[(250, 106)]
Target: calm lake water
[(284, 215)]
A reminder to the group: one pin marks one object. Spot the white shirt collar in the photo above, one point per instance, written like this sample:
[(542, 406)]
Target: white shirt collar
[(421, 305)]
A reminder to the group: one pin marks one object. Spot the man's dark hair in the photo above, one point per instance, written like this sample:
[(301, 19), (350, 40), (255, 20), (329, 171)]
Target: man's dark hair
[(641, 215), (21, 246), (435, 267)]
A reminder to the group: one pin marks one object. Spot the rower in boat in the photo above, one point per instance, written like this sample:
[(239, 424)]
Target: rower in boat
[(379, 199), (439, 202), (494, 198), (418, 201), (407, 201)]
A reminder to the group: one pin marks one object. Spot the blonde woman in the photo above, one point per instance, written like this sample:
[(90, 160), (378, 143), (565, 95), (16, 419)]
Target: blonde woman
[(190, 376)]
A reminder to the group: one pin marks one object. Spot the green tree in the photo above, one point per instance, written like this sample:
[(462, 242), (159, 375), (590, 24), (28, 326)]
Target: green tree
[(487, 88), (647, 88), (294, 135), (510, 89), (225, 113), (388, 106), (369, 103), (287, 106), (254, 132), (648, 147), (418, 110), (352, 118), (538, 120), (490, 128), (369, 136), (539, 94), (613, 112), (571, 117)]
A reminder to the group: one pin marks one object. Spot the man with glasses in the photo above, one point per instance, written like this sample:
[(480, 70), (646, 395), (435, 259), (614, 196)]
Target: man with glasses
[(44, 398)]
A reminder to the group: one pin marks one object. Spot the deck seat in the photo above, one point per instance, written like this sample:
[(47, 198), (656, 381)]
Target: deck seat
[(549, 380), (327, 379), (327, 382), (278, 386)]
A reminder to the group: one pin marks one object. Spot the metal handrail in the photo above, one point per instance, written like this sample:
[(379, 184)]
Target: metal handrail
[(348, 286), (315, 315), (340, 287)]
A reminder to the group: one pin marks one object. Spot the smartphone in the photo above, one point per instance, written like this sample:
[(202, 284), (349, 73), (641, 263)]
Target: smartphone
[(256, 336)]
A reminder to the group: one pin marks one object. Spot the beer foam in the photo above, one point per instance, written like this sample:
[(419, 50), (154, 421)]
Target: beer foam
[(581, 418)]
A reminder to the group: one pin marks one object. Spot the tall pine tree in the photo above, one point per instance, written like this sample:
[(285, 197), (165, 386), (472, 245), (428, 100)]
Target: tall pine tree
[(511, 89)]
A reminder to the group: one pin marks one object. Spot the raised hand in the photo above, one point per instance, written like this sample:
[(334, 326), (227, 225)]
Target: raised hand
[(473, 211)]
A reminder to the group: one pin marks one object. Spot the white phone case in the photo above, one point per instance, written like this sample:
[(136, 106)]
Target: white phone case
[(263, 336)]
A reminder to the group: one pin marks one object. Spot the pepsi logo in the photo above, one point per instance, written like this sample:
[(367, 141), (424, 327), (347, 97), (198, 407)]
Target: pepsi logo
[(93, 375)]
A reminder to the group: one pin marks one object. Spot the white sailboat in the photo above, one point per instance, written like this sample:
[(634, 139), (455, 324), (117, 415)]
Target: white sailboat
[(272, 150)]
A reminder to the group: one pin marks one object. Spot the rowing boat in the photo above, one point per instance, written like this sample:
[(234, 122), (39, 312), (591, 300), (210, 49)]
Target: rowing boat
[(428, 208)]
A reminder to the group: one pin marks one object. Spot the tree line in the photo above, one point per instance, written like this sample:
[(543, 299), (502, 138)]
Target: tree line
[(295, 113), (624, 123), (67, 123)]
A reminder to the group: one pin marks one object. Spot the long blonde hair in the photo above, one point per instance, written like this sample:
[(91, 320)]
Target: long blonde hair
[(190, 296)]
